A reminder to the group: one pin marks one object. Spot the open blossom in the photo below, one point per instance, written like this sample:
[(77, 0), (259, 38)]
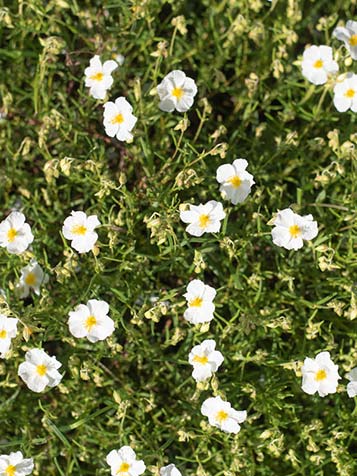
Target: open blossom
[(8, 330), (39, 370), (348, 34), (32, 277), (319, 375), (98, 76), (235, 181), (15, 234), (345, 94), (318, 63), (203, 218), (352, 386), (91, 321), (123, 462), (199, 298), (221, 414), (291, 229), (15, 464), (170, 470), (205, 360), (176, 91), (119, 119), (79, 228)]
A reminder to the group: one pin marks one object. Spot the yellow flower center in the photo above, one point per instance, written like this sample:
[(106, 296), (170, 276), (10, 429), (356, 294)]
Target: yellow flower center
[(124, 468), (318, 64), (97, 76), (353, 40), (41, 370), (350, 93), (200, 359), (90, 322), (235, 181), (221, 416), (79, 230), (3, 334), (177, 93), (320, 375), (204, 220), (30, 279), (10, 470), (196, 302), (118, 119), (11, 235), (294, 231)]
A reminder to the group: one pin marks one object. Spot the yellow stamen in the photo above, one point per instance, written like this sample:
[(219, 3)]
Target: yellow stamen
[(90, 322), (30, 279), (350, 93), (318, 64), (320, 375), (204, 220), (177, 93), (79, 230), (41, 370), (124, 468), (353, 40), (200, 359), (118, 119), (97, 76), (295, 231), (235, 181), (10, 470), (3, 334), (11, 235), (197, 302), (221, 416)]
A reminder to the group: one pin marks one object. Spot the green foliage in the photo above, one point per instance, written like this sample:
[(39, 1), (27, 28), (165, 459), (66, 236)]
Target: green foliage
[(273, 307)]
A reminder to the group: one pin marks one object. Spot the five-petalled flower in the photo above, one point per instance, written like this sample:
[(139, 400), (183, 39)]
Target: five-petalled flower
[(291, 229), (98, 76), (348, 34), (170, 470), (15, 234), (123, 462), (221, 414), (8, 330), (352, 385), (15, 464), (345, 93), (32, 277), (91, 321), (119, 119), (205, 360), (39, 370), (176, 91), (319, 375), (199, 297), (79, 228), (203, 218), (318, 64), (235, 181)]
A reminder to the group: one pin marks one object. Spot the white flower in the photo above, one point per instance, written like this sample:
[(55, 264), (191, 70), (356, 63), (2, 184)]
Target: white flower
[(91, 321), (317, 64), (221, 414), (8, 330), (15, 234), (291, 229), (345, 94), (348, 35), (39, 370), (352, 386), (199, 298), (203, 218), (118, 119), (98, 76), (123, 462), (32, 277), (119, 58), (80, 229), (170, 470), (15, 464), (235, 181), (176, 91), (319, 375), (205, 360)]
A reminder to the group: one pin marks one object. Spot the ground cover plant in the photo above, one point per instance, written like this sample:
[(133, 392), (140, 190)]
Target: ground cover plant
[(108, 316)]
